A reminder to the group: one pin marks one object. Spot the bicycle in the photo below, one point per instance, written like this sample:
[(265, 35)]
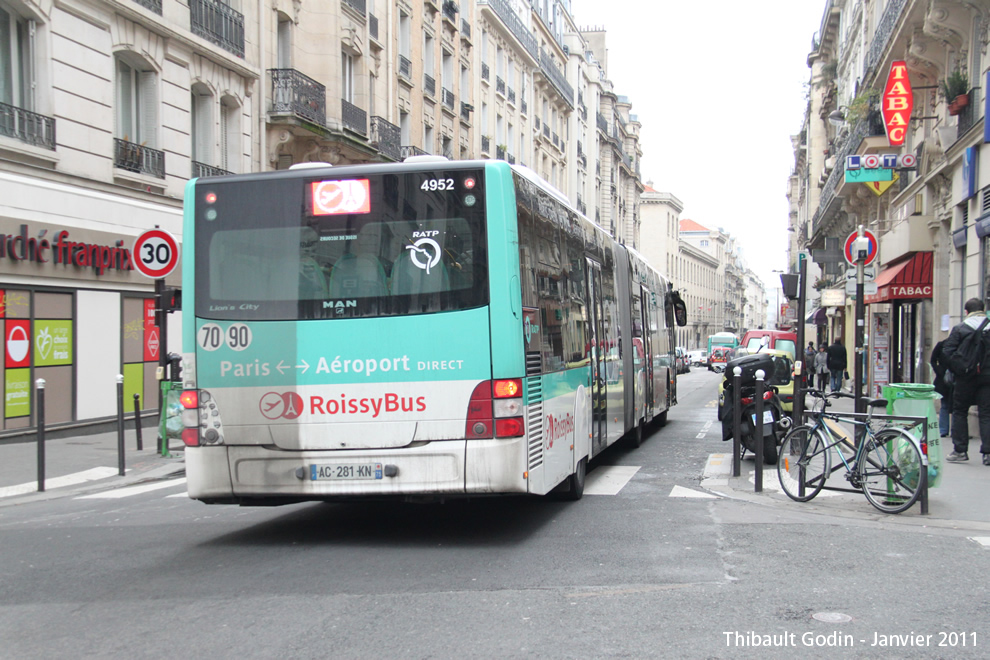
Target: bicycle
[(885, 465)]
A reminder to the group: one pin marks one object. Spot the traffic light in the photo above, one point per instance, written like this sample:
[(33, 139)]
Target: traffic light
[(171, 299)]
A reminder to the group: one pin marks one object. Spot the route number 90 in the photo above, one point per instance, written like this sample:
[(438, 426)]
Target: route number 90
[(211, 336)]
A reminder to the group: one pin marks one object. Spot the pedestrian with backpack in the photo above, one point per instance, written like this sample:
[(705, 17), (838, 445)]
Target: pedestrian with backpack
[(944, 385), (966, 351), (836, 363)]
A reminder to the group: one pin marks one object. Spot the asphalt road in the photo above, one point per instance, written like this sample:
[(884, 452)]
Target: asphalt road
[(659, 569)]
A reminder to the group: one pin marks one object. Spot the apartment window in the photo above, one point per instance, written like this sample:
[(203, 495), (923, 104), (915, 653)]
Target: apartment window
[(484, 117), (16, 67), (230, 134), (465, 84), (405, 41), (202, 124), (284, 42), (499, 62), (484, 47), (428, 145), (405, 136), (347, 76), (499, 130), (447, 71), (428, 54), (137, 103)]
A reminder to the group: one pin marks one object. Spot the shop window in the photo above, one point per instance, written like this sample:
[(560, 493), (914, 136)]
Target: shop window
[(141, 343)]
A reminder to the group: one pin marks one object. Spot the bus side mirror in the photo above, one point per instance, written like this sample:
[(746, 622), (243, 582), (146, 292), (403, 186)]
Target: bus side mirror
[(680, 309)]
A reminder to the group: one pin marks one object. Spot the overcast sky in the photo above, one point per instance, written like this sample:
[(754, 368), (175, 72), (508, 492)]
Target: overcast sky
[(719, 87)]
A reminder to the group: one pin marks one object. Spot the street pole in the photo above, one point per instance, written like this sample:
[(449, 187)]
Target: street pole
[(861, 254), (797, 413)]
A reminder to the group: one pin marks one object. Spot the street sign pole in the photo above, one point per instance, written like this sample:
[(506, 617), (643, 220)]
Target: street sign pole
[(860, 254), (797, 414)]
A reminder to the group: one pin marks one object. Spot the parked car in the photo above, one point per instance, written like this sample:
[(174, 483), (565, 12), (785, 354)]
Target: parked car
[(720, 355), (683, 362), (698, 358)]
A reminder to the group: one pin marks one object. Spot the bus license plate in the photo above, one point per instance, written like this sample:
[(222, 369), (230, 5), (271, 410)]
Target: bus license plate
[(767, 417), (334, 472)]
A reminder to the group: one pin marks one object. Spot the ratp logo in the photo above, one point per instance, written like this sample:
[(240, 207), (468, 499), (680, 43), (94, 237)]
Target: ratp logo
[(430, 250), (285, 406)]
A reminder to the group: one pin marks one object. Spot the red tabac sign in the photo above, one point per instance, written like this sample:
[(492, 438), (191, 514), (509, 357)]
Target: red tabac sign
[(897, 103)]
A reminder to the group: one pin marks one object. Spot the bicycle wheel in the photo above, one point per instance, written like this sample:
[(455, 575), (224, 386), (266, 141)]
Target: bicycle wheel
[(803, 464), (890, 470)]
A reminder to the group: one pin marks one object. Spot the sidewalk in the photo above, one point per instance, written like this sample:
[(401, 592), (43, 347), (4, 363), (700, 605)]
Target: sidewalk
[(958, 500), (81, 464)]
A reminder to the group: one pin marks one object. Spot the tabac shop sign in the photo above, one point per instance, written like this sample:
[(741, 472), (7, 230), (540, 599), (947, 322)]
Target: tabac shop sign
[(897, 103)]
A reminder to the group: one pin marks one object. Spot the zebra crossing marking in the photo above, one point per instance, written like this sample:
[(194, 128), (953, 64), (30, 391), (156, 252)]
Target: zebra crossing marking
[(609, 479), (73, 479), (133, 490)]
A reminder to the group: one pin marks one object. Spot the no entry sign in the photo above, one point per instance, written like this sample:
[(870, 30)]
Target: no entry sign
[(156, 253), (871, 252)]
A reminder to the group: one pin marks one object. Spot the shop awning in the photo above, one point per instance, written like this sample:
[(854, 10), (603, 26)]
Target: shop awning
[(817, 317), (908, 279)]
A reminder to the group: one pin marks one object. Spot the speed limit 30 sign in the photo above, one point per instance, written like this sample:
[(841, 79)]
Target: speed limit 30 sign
[(156, 253)]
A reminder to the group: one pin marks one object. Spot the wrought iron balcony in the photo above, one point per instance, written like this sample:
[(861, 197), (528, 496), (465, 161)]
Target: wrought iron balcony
[(387, 137), (485, 72), (27, 126), (486, 144), (202, 169), (153, 5), (602, 123), (405, 67), (360, 6), (511, 159), (138, 159), (465, 28), (522, 107), (968, 115), (216, 22), (499, 86), (466, 109), (448, 98), (353, 117), (408, 151), (556, 78), (885, 28), (546, 130), (556, 140), (429, 85), (450, 11), (511, 95), (500, 152), (300, 95), (515, 25)]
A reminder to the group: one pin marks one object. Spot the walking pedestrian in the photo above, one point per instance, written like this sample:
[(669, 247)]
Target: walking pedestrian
[(971, 390), (836, 363), (821, 367), (809, 365), (944, 385)]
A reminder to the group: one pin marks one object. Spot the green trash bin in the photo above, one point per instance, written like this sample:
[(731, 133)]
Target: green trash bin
[(918, 400), (170, 424)]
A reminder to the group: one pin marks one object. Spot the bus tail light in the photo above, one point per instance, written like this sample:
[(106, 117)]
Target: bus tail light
[(510, 427), (189, 399), (508, 388), (190, 437), (479, 413)]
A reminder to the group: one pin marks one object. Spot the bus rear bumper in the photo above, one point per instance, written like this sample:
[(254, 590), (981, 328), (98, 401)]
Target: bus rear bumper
[(250, 474)]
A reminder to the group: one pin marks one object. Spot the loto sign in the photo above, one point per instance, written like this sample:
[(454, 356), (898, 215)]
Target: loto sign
[(897, 103)]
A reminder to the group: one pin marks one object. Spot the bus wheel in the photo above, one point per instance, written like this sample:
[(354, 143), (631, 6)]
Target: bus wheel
[(575, 482), (661, 419), (636, 437)]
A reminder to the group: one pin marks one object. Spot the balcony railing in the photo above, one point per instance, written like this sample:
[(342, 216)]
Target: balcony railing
[(448, 98), (968, 115), (511, 159), (408, 151), (300, 95), (515, 25), (500, 153), (387, 137), (522, 107), (360, 6), (27, 126), (556, 78), (202, 169), (499, 86), (216, 22), (556, 140), (885, 28), (466, 111), (140, 160), (602, 123), (511, 95), (405, 67), (450, 11), (546, 130), (353, 117), (429, 85), (486, 144), (465, 28), (153, 5)]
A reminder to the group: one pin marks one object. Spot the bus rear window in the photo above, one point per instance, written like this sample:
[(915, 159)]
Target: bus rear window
[(271, 253)]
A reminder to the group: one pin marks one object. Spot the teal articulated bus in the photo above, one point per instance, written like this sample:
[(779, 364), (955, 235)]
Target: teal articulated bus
[(427, 329)]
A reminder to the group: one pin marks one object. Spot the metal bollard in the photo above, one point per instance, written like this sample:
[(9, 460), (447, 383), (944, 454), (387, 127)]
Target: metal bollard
[(758, 440), (137, 421), (736, 421), (120, 424), (40, 385)]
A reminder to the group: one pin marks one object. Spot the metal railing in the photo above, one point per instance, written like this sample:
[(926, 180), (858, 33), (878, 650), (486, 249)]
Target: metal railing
[(485, 72), (556, 78), (466, 111), (499, 86), (602, 123), (218, 23), (298, 94), (353, 117), (500, 153), (429, 85), (465, 28), (138, 159), (515, 25), (885, 28), (511, 95), (968, 115), (407, 151), (202, 169), (522, 107), (511, 159), (387, 137), (153, 5), (405, 67), (486, 144), (27, 126), (360, 6), (448, 97), (449, 11)]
